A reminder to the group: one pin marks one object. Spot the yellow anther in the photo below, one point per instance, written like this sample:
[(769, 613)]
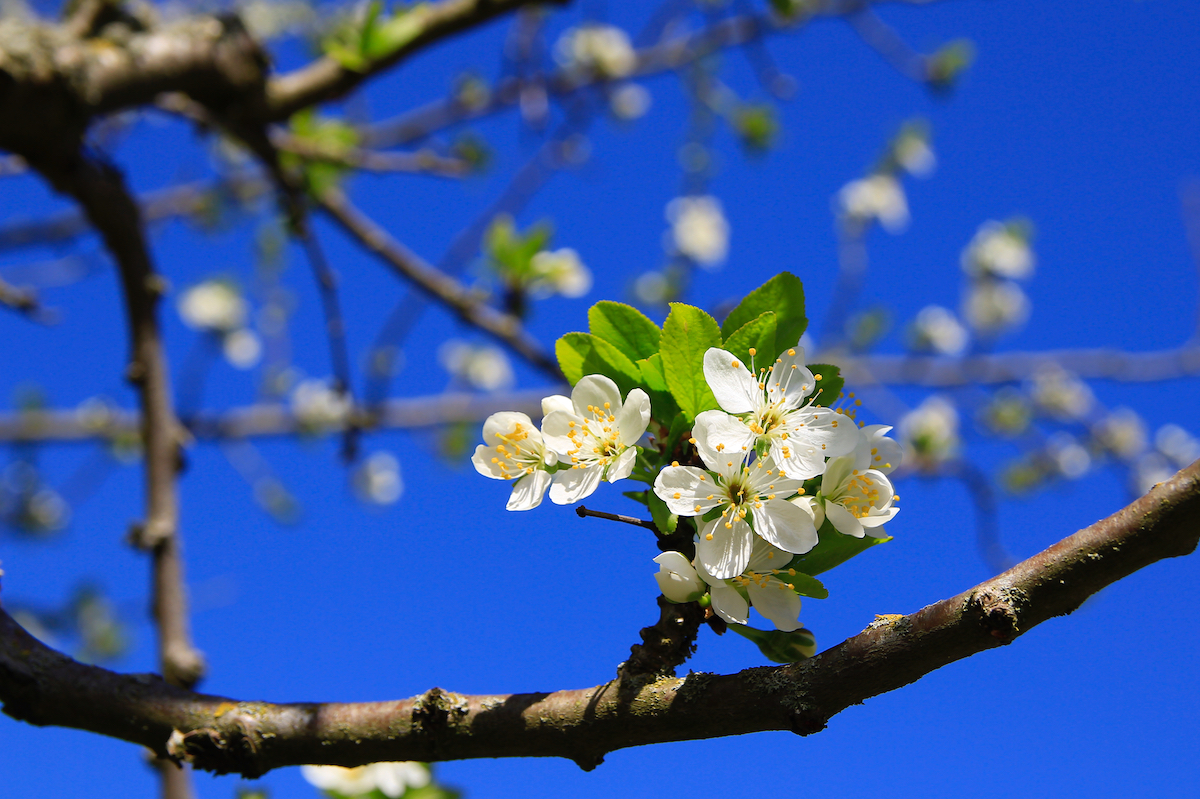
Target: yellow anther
[(818, 377), (674, 463), (708, 537), (791, 352), (736, 364), (676, 495)]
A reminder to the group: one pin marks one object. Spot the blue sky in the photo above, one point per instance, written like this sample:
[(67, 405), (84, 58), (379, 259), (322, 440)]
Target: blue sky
[(1081, 117)]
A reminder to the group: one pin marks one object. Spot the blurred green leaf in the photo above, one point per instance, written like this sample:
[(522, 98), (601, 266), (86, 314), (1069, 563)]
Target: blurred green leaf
[(783, 294)]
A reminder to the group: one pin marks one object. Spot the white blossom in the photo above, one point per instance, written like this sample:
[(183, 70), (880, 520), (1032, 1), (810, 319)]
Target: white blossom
[(999, 250), (1070, 458), (629, 101), (1150, 470), (318, 406), (483, 366), (763, 584), (603, 48), (242, 348), (737, 489), (853, 499), (776, 409), (914, 155), (595, 432), (514, 449), (1123, 433), (378, 479), (938, 330), (992, 306), (214, 305), (1061, 394), (1177, 444), (677, 578), (391, 779), (559, 272), (878, 197), (699, 229), (930, 431)]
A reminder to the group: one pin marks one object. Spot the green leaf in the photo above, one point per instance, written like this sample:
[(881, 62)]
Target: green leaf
[(582, 354), (783, 294), (664, 520), (758, 333), (804, 584), (625, 327), (385, 37), (662, 404), (687, 334), (829, 383), (832, 549)]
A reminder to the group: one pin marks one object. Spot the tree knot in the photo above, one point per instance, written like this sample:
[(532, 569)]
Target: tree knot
[(999, 611)]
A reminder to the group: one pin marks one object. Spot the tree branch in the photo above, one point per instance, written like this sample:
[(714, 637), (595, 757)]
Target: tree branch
[(44, 687), (437, 284), (326, 79)]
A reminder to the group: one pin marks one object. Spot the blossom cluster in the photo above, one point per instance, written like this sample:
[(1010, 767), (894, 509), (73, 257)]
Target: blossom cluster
[(755, 480), (762, 452), (584, 439)]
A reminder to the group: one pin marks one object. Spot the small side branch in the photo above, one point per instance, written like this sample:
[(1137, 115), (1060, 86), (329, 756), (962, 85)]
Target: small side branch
[(438, 285), (583, 513)]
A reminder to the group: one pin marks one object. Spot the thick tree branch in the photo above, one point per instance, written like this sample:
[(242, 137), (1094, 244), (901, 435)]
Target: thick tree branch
[(44, 687)]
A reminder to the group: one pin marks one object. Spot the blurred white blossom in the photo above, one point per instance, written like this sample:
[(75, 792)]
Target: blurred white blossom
[(651, 288), (602, 48), (999, 249), (318, 406), (213, 305), (266, 19), (938, 330), (1061, 394), (482, 366), (242, 348), (559, 272), (1068, 455), (378, 479), (993, 306), (699, 230), (1008, 413), (913, 153), (1123, 433), (391, 779), (1177, 444), (1150, 470), (629, 101), (930, 431), (878, 197)]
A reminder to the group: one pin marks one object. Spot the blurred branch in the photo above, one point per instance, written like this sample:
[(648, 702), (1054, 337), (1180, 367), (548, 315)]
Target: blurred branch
[(100, 190), (18, 299), (437, 284), (422, 162), (1013, 367), (326, 79), (270, 420), (44, 687)]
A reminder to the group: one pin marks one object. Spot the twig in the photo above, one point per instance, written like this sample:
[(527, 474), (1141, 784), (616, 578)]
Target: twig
[(421, 162), (583, 513), (18, 299), (214, 733), (437, 284)]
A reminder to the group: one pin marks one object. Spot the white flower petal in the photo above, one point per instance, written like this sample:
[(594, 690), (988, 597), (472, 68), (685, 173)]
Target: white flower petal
[(556, 402), (623, 466), (683, 488), (777, 602), (677, 578), (596, 391), (527, 492), (719, 435), (572, 485), (727, 552), (555, 429), (784, 525), (729, 604), (789, 379), (482, 459), (732, 384), (634, 416), (843, 520)]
